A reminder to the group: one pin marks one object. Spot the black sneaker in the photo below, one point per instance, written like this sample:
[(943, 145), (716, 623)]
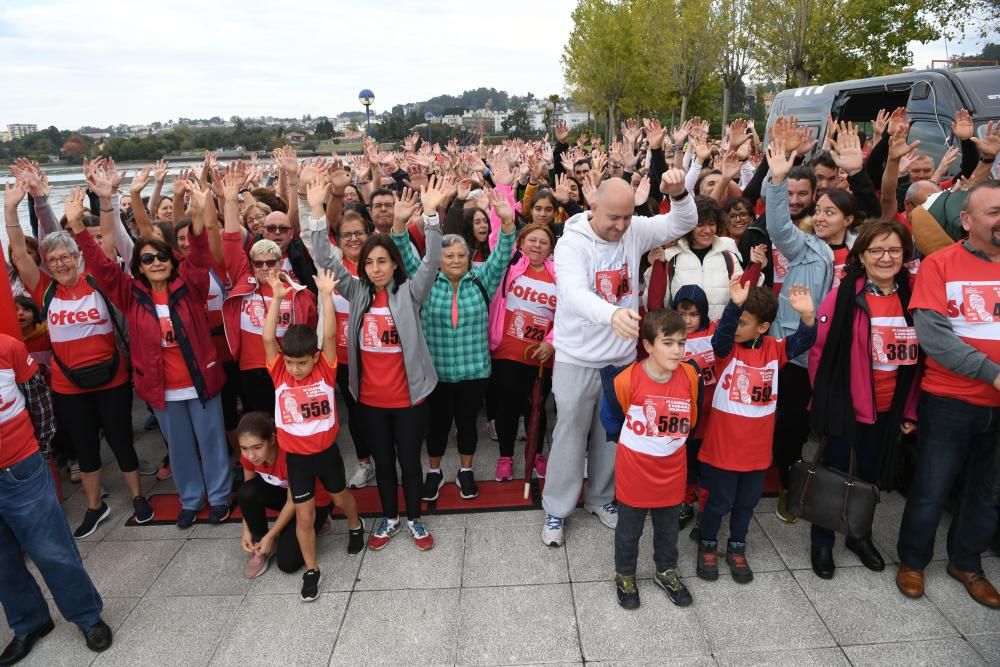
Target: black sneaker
[(143, 512), (432, 483), (97, 636), (356, 539), (628, 593), (737, 561), (708, 560), (685, 516), (467, 483), (91, 520), (675, 589), (218, 513), (187, 518), (310, 585)]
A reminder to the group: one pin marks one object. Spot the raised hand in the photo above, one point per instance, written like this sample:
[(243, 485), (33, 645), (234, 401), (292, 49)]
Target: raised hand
[(317, 193), (989, 144), (962, 126), (642, 191), (702, 149), (846, 150), (339, 179), (232, 181), (897, 120), (502, 175), (731, 163), (738, 133), (501, 207), (947, 160), (32, 175), (97, 178), (631, 131), (199, 197), (800, 299), (680, 133), (405, 206), (14, 193), (73, 207), (779, 162), (898, 148), (140, 180), (160, 171), (879, 125), (278, 288), (561, 191), (672, 183), (738, 291), (116, 177), (326, 281)]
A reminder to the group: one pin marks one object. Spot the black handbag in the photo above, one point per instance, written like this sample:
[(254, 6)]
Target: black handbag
[(831, 499)]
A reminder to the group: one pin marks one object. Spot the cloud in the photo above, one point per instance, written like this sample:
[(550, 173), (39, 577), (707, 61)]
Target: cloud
[(137, 63)]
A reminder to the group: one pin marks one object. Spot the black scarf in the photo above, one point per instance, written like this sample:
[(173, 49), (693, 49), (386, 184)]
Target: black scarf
[(832, 411)]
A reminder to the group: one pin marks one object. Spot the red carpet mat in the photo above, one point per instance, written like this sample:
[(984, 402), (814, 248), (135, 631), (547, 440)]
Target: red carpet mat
[(493, 497)]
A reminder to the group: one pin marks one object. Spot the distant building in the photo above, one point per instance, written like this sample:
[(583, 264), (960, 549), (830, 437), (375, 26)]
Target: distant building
[(4, 135), (18, 130)]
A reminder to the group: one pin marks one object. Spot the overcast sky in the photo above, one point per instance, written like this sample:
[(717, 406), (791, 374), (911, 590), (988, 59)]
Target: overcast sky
[(101, 62)]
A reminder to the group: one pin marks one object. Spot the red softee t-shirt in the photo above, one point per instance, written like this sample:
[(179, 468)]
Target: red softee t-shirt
[(528, 316), (305, 412), (383, 373)]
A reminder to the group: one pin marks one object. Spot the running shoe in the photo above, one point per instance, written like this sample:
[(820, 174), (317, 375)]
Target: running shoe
[(362, 476), (91, 520), (675, 589), (491, 429), (218, 513), (310, 585), (628, 592), (607, 513), (466, 481), (421, 536), (257, 565), (143, 512), (432, 485), (356, 539), (382, 534), (541, 465), (552, 531), (187, 518), (505, 469)]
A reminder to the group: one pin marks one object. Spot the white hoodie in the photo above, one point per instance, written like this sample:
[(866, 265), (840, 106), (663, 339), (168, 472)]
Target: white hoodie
[(597, 277)]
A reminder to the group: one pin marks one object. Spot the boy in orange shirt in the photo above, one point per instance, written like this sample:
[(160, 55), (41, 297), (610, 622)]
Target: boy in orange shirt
[(650, 411), (305, 415)]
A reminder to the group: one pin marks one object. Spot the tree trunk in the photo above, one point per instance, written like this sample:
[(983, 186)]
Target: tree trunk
[(684, 108), (611, 125), (726, 97), (801, 75)]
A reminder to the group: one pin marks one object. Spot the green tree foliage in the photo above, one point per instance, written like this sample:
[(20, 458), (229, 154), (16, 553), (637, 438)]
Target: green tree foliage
[(517, 123), (966, 18)]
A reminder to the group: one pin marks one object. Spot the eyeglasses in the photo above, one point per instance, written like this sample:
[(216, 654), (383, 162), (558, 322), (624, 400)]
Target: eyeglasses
[(148, 258), (256, 218), (739, 215), (277, 229), (61, 259), (261, 263), (879, 253), (615, 165), (353, 235)]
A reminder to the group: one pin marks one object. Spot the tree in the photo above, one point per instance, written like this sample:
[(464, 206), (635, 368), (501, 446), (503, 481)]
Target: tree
[(324, 128), (602, 60), (965, 17), (819, 41), (75, 147), (517, 123), (690, 48), (736, 22)]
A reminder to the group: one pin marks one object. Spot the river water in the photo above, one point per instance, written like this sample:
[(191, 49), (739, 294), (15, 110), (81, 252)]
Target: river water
[(64, 178)]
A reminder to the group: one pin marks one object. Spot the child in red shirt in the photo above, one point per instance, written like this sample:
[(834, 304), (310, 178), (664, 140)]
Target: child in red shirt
[(305, 416), (650, 412), (737, 448)]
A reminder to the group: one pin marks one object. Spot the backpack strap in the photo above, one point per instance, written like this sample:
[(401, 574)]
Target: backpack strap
[(730, 263), (694, 378), (482, 288)]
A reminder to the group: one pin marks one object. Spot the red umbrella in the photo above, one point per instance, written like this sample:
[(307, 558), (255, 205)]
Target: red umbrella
[(534, 426)]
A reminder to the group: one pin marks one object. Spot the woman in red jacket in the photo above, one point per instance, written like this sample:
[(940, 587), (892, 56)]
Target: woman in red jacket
[(865, 369), (176, 369)]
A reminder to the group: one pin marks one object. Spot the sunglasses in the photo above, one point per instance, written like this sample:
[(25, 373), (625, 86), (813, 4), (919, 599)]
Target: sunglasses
[(277, 229), (148, 258), (261, 263)]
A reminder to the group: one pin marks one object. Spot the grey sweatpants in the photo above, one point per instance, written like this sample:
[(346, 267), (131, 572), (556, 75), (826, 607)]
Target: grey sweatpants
[(578, 429)]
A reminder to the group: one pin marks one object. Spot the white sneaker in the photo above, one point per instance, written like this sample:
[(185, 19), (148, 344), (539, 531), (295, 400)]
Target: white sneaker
[(607, 514), (491, 430), (552, 531), (362, 476)]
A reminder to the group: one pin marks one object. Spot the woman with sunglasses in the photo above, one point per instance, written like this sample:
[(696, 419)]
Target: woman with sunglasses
[(176, 368), (864, 369), (90, 379), (249, 297)]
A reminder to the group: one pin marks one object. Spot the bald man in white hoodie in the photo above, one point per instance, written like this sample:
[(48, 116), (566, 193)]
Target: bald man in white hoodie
[(597, 325)]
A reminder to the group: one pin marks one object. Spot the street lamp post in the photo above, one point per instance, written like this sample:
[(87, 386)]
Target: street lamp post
[(366, 97), (428, 116)]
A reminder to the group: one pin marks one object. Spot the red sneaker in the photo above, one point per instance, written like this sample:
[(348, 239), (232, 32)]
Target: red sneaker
[(382, 534), (421, 536)]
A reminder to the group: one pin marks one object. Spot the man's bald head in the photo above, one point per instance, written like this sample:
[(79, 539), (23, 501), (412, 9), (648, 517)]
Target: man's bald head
[(278, 228), (612, 207)]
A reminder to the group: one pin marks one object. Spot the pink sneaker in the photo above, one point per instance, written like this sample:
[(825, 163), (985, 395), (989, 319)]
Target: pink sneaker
[(164, 473), (505, 468), (256, 566), (541, 465)]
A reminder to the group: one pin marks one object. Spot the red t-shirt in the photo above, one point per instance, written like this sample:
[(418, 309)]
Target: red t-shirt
[(343, 309), (651, 460), (304, 410), (742, 426), (966, 290), (252, 314), (839, 265), (39, 346), (177, 378), (383, 373), (530, 312), (213, 306), (81, 332), (893, 343), (698, 348), (17, 433), (276, 474)]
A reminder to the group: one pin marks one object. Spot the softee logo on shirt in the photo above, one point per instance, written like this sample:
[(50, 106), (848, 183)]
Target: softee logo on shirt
[(89, 316), (980, 303), (533, 295)]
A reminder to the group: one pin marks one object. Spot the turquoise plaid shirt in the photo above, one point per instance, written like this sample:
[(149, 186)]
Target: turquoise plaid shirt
[(462, 352)]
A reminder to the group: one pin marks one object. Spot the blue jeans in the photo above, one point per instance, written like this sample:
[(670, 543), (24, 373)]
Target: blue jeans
[(729, 492), (955, 439), (31, 519), (199, 453)]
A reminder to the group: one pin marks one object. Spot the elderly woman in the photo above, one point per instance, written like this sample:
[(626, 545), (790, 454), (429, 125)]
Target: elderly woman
[(176, 369), (704, 258), (456, 319), (864, 369), (90, 379), (249, 297)]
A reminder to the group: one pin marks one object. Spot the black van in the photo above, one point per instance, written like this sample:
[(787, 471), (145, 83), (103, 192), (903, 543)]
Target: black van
[(931, 98)]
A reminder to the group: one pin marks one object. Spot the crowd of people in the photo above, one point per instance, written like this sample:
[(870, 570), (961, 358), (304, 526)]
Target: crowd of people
[(696, 306)]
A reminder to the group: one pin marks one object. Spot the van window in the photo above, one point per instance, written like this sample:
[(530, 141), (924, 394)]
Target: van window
[(933, 140)]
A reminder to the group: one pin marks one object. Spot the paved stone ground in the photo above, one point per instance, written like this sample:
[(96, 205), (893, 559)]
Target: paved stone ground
[(490, 593)]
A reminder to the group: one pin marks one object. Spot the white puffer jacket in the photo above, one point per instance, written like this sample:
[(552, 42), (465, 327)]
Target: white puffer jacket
[(712, 275)]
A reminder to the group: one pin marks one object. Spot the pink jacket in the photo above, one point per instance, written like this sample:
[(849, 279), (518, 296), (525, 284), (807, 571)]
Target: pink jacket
[(498, 306), (862, 381), (495, 222)]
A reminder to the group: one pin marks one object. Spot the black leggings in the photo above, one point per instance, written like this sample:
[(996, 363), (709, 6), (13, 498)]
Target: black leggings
[(792, 413), (258, 390), (257, 496), (82, 417), (514, 384), (230, 391), (361, 449), (458, 403), (395, 434)]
